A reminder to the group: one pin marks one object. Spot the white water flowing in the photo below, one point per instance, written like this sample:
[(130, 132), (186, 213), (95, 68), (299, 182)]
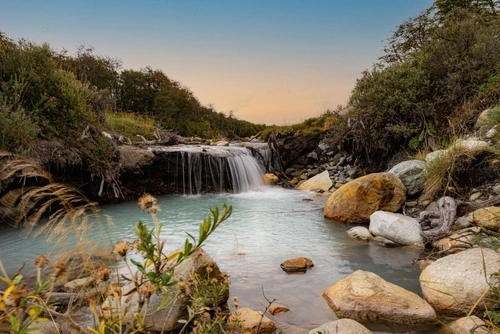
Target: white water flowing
[(217, 168)]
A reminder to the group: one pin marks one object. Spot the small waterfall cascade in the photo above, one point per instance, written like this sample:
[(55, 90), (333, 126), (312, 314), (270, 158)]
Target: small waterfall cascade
[(201, 169)]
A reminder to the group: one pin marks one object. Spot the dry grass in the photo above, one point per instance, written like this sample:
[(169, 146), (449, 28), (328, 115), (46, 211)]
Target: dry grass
[(130, 125), (441, 172)]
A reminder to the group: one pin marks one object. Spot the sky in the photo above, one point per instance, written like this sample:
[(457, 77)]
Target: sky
[(268, 61)]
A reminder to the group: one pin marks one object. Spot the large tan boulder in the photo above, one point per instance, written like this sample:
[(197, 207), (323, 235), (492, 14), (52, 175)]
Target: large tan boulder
[(467, 325), (321, 181), (369, 299), (248, 321), (488, 218), (453, 284), (355, 201)]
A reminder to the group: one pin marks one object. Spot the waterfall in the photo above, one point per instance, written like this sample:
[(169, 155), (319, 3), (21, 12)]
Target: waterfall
[(199, 169)]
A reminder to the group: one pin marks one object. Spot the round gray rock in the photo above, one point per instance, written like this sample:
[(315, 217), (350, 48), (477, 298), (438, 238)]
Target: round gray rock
[(412, 174), (453, 284)]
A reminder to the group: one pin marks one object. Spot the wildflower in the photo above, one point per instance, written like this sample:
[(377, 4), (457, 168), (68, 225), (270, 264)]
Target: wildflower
[(214, 280), (121, 248), (209, 269), (146, 290), (182, 286), (102, 274), (41, 261), (59, 270), (148, 202)]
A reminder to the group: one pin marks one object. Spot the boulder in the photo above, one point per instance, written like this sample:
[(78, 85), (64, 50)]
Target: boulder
[(248, 321), (270, 178), (222, 143), (467, 325), (321, 181), (133, 159), (299, 264), (412, 174), (369, 299), (160, 317), (488, 218), (396, 227), (356, 200), (343, 326), (360, 233), (455, 283), (458, 241)]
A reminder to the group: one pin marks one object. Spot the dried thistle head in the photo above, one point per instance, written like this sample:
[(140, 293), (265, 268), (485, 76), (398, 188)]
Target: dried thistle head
[(236, 303), (148, 202), (102, 274), (214, 281), (41, 261), (59, 270), (209, 269), (121, 248), (146, 290)]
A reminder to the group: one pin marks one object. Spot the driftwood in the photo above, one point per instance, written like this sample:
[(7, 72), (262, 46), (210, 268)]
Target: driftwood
[(466, 207), (447, 213)]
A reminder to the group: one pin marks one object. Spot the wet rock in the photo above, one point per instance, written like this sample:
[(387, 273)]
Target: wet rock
[(250, 322), (360, 233), (343, 326), (270, 178), (401, 229), (321, 181), (355, 201), (383, 242), (222, 143), (496, 189), (488, 218), (299, 264), (365, 297), (467, 325), (453, 284), (276, 309), (412, 174)]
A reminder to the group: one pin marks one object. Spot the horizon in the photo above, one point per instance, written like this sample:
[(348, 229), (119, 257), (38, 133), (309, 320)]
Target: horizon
[(268, 62)]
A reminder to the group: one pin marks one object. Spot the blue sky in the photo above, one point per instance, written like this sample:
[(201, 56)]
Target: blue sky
[(273, 61)]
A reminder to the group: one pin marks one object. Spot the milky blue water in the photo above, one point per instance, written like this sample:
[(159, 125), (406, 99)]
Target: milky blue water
[(266, 228)]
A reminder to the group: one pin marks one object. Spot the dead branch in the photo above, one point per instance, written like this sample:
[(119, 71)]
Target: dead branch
[(447, 213)]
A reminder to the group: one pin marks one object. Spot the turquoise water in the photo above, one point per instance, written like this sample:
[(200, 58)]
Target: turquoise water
[(266, 228)]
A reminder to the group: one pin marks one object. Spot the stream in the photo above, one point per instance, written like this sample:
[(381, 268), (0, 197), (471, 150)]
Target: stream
[(267, 227)]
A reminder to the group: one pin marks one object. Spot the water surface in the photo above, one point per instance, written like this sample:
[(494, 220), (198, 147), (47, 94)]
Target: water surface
[(266, 228)]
